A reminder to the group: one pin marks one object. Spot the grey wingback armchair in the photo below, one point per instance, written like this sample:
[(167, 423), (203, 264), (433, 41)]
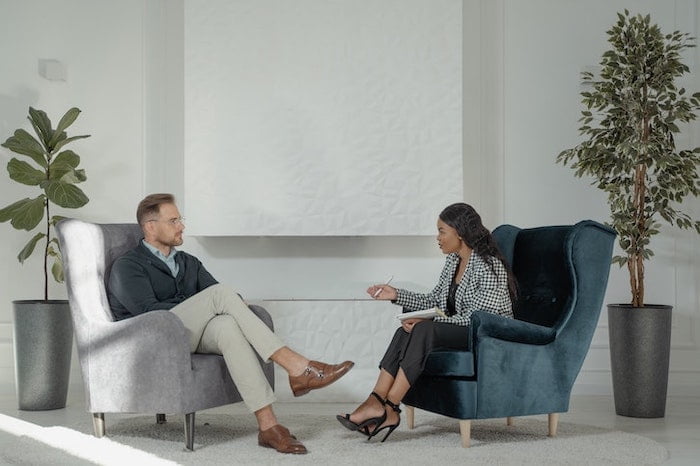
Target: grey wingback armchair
[(141, 364)]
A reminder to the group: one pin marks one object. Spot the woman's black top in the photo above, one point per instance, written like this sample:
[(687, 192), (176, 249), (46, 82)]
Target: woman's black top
[(451, 309)]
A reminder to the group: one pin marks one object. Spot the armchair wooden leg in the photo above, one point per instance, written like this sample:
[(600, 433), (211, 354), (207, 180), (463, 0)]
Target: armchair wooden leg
[(160, 418), (410, 416), (553, 420), (98, 424), (465, 431), (510, 421), (189, 431)]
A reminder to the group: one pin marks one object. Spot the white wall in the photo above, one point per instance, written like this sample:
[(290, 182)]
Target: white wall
[(314, 118), (520, 84), (287, 267), (101, 45)]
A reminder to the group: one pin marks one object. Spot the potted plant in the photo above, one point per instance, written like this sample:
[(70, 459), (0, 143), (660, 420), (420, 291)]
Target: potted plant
[(43, 333), (632, 116)]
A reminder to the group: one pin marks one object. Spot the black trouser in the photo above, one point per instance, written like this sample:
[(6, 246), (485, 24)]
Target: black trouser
[(409, 351)]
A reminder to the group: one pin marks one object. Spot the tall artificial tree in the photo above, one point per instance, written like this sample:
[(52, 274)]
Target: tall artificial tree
[(631, 120)]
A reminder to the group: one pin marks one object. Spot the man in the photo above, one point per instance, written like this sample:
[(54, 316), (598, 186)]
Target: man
[(156, 276)]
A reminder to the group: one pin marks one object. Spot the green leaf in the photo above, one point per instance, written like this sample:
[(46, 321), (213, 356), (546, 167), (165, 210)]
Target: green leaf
[(28, 249), (620, 260), (42, 125), (55, 140), (65, 122), (65, 194), (67, 140), (74, 177), (63, 163), (24, 173), (79, 175), (27, 213), (57, 270), (8, 212), (67, 157), (24, 143), (55, 219)]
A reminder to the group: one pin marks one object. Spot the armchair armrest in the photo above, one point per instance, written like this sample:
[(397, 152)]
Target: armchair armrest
[(149, 347), (486, 324), (155, 330)]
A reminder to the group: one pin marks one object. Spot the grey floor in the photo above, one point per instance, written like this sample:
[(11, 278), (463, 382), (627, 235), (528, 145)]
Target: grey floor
[(678, 431)]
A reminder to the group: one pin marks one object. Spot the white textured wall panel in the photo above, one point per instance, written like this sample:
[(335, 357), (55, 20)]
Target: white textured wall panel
[(334, 331), (322, 118)]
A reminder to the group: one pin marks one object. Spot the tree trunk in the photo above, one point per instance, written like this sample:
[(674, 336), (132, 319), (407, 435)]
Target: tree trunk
[(636, 258), (635, 264), (46, 252)]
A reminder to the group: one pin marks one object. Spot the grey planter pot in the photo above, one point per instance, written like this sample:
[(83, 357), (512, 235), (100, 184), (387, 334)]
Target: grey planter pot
[(640, 347), (43, 342)]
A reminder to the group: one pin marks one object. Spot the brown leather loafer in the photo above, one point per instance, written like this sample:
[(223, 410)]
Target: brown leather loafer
[(318, 375), (279, 438)]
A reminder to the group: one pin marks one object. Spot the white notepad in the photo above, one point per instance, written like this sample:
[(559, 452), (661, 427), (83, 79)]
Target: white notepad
[(422, 314)]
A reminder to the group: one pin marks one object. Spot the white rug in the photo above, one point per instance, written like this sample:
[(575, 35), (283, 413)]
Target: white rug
[(232, 439)]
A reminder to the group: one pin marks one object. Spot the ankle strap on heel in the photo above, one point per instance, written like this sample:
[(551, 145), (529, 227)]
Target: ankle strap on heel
[(393, 406), (376, 395)]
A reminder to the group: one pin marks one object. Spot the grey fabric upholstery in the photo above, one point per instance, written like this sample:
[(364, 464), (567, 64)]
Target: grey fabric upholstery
[(141, 364)]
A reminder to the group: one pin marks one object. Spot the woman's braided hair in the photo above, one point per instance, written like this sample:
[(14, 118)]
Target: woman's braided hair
[(463, 218)]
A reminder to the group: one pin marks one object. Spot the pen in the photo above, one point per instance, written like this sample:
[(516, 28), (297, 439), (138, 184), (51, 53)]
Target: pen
[(376, 293)]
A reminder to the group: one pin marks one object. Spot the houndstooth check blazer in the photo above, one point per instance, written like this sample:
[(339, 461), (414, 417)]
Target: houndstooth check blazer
[(480, 289)]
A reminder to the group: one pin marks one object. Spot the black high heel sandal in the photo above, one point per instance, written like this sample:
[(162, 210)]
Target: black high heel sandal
[(363, 427), (391, 427)]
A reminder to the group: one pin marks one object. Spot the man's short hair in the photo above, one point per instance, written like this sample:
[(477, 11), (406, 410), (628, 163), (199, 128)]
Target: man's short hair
[(150, 206)]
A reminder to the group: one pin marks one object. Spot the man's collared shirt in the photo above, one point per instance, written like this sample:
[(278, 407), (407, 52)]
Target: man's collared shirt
[(169, 260)]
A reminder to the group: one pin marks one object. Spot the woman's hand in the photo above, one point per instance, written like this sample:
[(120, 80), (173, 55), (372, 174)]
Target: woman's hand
[(385, 292), (408, 324)]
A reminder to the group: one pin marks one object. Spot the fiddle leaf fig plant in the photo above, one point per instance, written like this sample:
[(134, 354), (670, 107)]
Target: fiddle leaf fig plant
[(54, 171), (631, 120)]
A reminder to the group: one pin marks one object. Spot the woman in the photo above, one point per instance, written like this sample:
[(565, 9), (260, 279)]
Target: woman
[(474, 278)]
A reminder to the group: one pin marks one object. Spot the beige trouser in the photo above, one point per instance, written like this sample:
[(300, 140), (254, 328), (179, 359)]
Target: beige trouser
[(221, 323)]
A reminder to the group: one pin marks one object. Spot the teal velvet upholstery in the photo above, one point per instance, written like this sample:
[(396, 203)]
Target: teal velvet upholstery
[(526, 365)]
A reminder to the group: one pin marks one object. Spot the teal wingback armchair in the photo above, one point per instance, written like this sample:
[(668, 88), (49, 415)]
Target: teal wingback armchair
[(527, 365)]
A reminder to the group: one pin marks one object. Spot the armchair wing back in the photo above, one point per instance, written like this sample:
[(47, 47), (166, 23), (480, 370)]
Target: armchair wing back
[(527, 365), (141, 364)]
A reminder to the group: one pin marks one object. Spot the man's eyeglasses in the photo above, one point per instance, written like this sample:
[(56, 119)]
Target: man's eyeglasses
[(172, 221)]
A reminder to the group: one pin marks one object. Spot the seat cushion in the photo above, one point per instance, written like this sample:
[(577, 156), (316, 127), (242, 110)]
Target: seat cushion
[(450, 363)]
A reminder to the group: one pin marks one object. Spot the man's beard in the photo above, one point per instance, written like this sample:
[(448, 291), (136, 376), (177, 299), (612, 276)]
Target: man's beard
[(176, 241)]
